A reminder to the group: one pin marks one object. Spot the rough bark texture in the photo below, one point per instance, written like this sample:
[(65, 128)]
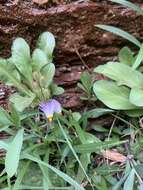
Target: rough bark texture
[(74, 28)]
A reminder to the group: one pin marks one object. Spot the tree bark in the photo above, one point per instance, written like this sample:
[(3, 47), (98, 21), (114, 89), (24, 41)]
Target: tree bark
[(79, 42)]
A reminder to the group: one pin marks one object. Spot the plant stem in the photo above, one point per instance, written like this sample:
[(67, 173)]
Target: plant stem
[(9, 183)]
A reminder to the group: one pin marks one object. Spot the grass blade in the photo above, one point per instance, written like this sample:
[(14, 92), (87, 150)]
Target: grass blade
[(138, 59), (129, 183), (13, 154), (120, 33), (73, 151), (98, 146), (130, 5)]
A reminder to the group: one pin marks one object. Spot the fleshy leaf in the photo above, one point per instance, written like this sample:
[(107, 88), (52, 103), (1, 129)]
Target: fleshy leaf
[(48, 72), (10, 77), (56, 90), (126, 56), (113, 96), (136, 97), (39, 59), (46, 42), (21, 57), (121, 73), (21, 102)]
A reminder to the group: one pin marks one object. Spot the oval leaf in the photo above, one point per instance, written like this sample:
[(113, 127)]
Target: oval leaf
[(136, 96), (121, 73), (46, 42), (21, 102), (21, 57), (113, 96), (48, 71), (126, 56), (13, 154), (39, 59)]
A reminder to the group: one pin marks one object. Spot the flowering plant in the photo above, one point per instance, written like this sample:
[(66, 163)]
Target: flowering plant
[(31, 75)]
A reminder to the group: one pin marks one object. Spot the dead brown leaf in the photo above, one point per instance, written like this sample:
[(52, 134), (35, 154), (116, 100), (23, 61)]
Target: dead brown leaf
[(40, 2), (114, 156)]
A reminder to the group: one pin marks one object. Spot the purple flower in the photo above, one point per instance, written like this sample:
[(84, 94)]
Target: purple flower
[(50, 107)]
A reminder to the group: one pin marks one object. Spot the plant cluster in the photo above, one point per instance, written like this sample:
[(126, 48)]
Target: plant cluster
[(45, 150), (31, 75), (49, 147)]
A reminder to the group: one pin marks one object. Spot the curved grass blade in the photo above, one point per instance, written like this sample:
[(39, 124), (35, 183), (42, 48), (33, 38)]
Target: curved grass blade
[(130, 5), (138, 59), (120, 32), (73, 151)]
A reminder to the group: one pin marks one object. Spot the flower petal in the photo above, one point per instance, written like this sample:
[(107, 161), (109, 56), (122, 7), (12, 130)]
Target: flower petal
[(50, 107)]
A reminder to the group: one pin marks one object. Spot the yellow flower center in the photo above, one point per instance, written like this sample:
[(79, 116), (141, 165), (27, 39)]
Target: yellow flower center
[(50, 118)]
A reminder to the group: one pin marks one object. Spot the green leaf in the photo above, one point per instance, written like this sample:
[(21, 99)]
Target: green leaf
[(56, 90), (39, 59), (20, 176), (10, 68), (4, 71), (134, 113), (33, 175), (21, 102), (73, 151), (76, 116), (98, 146), (126, 56), (129, 183), (5, 119), (15, 116), (21, 57), (58, 172), (120, 182), (13, 154), (138, 59), (113, 96), (121, 73), (120, 33), (46, 42), (3, 145), (136, 97), (99, 128), (86, 81), (48, 72), (97, 112), (85, 161), (139, 169), (130, 5)]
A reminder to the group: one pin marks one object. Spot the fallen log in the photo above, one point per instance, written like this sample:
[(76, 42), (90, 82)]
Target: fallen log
[(77, 37)]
